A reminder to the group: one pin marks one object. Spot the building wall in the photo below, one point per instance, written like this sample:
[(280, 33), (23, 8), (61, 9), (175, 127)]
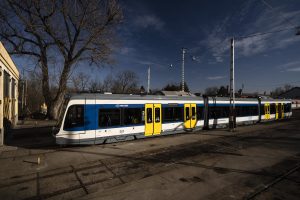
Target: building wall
[(8, 104)]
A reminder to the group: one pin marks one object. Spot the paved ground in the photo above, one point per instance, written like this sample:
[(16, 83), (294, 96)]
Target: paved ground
[(256, 162)]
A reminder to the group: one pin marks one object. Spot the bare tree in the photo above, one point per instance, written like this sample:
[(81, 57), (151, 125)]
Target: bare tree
[(69, 31), (279, 90), (125, 82), (108, 83), (211, 91), (80, 82), (34, 92), (176, 87), (287, 87), (96, 86)]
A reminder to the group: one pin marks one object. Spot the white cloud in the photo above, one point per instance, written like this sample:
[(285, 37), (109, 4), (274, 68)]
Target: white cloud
[(149, 21), (268, 21), (293, 66), (215, 77), (296, 69), (289, 64), (217, 41), (126, 50)]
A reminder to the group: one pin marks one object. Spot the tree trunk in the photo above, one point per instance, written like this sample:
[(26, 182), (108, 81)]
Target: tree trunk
[(53, 110), (60, 95)]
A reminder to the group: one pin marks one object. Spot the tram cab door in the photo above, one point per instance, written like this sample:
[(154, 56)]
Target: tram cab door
[(190, 117), (282, 111), (153, 121), (277, 110), (267, 111)]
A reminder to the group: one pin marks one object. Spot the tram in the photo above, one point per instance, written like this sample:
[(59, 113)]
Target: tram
[(107, 118)]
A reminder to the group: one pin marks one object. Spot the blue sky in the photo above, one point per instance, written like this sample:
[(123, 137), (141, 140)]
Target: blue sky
[(153, 33)]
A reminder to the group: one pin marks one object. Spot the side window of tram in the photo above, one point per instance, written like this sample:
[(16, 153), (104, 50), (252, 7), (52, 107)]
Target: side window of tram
[(74, 117), (187, 113), (199, 112), (109, 117), (157, 115), (132, 116), (172, 114), (149, 115), (193, 113), (273, 108)]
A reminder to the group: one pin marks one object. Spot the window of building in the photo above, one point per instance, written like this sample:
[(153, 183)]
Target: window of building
[(6, 84), (133, 116), (13, 88), (74, 117), (109, 117)]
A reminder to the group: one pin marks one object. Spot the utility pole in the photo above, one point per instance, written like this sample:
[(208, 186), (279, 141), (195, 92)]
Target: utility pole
[(149, 76), (232, 95), (182, 72)]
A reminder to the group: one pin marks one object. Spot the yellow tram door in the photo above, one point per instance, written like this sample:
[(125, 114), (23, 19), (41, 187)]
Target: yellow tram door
[(269, 115), (190, 117), (194, 116), (157, 119), (276, 108), (282, 111), (152, 119), (267, 111)]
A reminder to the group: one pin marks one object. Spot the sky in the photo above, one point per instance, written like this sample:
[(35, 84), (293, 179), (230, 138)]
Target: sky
[(153, 32)]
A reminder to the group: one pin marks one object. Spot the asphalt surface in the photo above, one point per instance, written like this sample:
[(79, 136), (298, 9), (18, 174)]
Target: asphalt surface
[(255, 162)]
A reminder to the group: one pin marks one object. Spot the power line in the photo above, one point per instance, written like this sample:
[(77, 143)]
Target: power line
[(278, 84), (272, 8), (265, 33)]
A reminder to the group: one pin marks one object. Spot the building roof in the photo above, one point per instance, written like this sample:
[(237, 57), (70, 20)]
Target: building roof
[(7, 61), (293, 93)]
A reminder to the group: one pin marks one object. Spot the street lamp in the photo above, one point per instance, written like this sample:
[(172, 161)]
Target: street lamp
[(232, 92), (182, 70)]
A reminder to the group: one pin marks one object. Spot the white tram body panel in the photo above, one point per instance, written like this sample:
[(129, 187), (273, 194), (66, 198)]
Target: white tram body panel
[(96, 119)]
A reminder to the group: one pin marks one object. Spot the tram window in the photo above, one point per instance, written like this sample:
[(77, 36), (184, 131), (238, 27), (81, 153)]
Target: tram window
[(272, 108), (187, 113), (109, 117), (244, 111), (199, 112), (218, 112), (171, 114), (149, 115), (193, 113), (262, 109), (143, 115), (74, 117), (132, 116), (289, 107), (212, 113), (157, 114)]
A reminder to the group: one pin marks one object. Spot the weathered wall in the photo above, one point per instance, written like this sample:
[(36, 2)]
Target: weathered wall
[(8, 104)]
